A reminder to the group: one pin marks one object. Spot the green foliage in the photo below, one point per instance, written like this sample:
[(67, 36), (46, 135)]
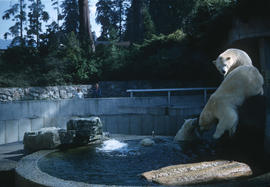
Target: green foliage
[(71, 16), (169, 15), (112, 61), (36, 16), (148, 24), (111, 15), (18, 14), (78, 62), (209, 17), (58, 64), (172, 39)]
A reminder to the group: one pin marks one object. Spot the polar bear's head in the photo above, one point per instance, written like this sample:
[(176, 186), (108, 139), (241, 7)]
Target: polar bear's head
[(231, 59)]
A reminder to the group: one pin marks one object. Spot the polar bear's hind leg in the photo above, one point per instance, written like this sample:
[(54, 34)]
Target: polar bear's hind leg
[(228, 122)]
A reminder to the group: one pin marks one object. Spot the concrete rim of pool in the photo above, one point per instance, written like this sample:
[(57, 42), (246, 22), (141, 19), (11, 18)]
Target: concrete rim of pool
[(28, 174)]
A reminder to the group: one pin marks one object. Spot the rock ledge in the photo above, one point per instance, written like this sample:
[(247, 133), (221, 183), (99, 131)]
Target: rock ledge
[(195, 173)]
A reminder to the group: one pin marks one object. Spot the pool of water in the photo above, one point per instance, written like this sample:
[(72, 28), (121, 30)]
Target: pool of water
[(120, 162)]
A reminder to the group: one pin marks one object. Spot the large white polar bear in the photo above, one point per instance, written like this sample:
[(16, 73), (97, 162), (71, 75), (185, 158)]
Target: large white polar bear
[(239, 83), (231, 59)]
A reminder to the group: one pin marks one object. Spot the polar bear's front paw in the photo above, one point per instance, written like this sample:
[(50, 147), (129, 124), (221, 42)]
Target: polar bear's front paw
[(232, 130), (217, 135)]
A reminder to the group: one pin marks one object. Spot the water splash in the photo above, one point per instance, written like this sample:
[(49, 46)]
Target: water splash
[(112, 145)]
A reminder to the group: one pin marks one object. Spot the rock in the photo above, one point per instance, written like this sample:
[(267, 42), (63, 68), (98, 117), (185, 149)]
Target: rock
[(195, 173), (87, 129), (45, 138), (67, 137), (63, 94), (147, 142), (187, 131), (44, 96)]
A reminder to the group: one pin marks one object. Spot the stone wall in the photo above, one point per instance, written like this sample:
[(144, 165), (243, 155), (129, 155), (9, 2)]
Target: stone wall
[(43, 93), (108, 89)]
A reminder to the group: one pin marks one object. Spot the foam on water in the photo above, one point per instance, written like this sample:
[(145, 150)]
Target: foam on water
[(112, 145)]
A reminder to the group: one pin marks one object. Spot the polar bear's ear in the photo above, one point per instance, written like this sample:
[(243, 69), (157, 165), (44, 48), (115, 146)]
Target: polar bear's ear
[(228, 58)]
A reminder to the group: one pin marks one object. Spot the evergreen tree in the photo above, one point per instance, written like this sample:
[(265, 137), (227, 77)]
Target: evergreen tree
[(17, 11), (170, 15), (139, 22), (36, 16), (70, 15), (56, 6), (148, 24), (121, 12), (106, 16), (111, 14)]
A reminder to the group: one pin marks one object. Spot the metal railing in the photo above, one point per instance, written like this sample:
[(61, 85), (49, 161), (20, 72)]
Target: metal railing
[(169, 90)]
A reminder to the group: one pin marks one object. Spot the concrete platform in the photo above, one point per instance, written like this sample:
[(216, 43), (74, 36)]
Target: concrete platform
[(10, 154)]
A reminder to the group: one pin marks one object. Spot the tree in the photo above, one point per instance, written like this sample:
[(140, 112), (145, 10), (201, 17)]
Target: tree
[(85, 26), (55, 5), (36, 15), (71, 16), (169, 15), (111, 14), (121, 11), (139, 22), (17, 11), (106, 16)]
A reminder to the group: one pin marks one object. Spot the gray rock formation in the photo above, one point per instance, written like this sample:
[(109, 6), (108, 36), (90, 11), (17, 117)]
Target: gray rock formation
[(45, 138), (67, 137), (80, 131), (203, 172), (86, 129)]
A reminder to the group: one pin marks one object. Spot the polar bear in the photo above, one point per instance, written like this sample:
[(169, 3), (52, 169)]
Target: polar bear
[(231, 59), (187, 131), (221, 108)]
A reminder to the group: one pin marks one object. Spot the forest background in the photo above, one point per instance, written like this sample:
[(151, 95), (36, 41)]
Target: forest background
[(139, 40)]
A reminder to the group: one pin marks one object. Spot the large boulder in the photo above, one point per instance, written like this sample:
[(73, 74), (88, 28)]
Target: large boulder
[(67, 137), (195, 173), (45, 138), (86, 129)]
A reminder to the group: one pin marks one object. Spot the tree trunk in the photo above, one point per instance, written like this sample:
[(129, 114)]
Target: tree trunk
[(85, 26), (21, 20), (37, 23), (120, 18)]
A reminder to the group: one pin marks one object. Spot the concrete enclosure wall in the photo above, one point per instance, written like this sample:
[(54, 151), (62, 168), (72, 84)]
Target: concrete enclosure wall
[(138, 115)]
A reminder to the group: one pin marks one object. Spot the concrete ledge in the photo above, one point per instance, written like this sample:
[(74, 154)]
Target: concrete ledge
[(7, 168), (28, 174)]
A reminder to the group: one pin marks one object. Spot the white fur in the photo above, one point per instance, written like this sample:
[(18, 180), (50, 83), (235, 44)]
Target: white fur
[(231, 58), (186, 132), (239, 84)]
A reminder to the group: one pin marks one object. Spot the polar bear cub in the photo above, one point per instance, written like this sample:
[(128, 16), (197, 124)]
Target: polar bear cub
[(186, 132), (240, 82), (231, 59)]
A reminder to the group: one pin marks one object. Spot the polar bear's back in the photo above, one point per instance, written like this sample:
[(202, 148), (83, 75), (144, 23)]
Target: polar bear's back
[(242, 82)]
